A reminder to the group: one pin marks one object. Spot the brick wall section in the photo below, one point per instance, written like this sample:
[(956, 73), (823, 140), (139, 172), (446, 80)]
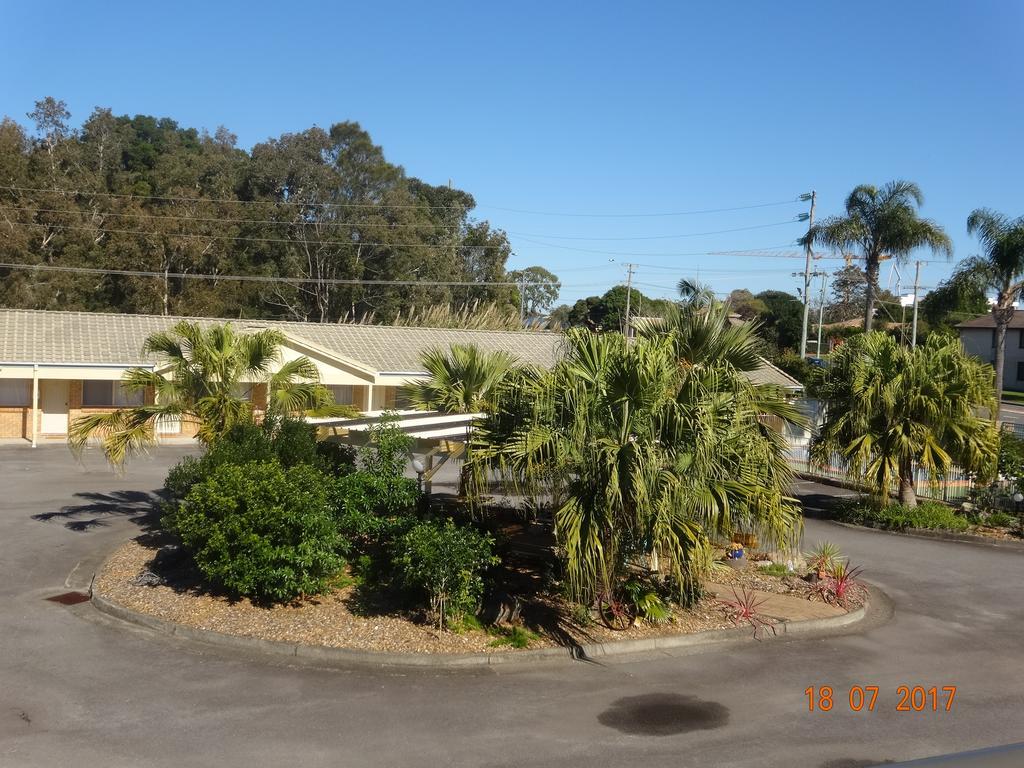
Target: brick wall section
[(15, 422)]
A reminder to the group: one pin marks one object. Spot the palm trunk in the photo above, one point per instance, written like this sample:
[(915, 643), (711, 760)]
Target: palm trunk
[(1002, 316), (908, 495), (869, 294)]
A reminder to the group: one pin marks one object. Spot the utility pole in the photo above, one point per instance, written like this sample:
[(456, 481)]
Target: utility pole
[(522, 303), (917, 280), (821, 311), (813, 197), (629, 295)]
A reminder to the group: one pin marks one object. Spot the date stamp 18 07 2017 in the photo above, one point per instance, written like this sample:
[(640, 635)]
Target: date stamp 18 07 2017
[(865, 698)]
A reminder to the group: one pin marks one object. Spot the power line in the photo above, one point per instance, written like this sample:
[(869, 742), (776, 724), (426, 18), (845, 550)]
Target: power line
[(640, 215), (649, 253), (241, 238), (261, 278), (278, 222), (88, 193)]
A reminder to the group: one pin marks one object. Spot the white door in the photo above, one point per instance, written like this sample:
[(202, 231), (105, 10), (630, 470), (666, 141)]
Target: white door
[(53, 403)]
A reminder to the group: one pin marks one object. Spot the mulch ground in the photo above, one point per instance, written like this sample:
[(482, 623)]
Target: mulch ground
[(339, 619)]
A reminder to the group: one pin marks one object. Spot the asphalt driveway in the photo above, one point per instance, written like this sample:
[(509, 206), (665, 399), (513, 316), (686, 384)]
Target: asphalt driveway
[(83, 690)]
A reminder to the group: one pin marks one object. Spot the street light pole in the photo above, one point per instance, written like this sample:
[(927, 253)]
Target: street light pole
[(813, 197), (917, 279)]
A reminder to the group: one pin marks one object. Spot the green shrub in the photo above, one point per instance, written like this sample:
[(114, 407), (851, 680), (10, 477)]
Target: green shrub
[(388, 450), (445, 563), (262, 531), (775, 569), (289, 441), (369, 509), (927, 514), (1001, 520), (1011, 459)]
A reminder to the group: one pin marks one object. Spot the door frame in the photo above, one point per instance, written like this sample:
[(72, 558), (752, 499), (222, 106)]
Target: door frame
[(54, 402)]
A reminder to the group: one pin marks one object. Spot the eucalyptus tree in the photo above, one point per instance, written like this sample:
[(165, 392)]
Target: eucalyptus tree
[(1000, 269), (890, 409), (201, 378), (880, 223)]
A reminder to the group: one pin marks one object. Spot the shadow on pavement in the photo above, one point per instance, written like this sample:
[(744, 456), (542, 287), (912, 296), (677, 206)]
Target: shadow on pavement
[(142, 507)]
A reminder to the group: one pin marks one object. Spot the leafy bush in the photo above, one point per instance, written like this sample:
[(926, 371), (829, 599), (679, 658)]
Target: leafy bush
[(445, 562), (1011, 459), (927, 514), (388, 450), (775, 569), (369, 508), (259, 530), (288, 441)]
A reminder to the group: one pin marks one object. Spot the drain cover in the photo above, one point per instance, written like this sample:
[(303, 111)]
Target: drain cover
[(69, 598)]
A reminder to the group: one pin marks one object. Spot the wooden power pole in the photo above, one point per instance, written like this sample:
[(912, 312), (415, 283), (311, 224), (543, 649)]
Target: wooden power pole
[(807, 278)]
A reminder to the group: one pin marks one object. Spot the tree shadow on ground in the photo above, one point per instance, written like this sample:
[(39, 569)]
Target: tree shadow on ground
[(97, 508)]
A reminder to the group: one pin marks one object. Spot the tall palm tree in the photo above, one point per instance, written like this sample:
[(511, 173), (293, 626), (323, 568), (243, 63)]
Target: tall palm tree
[(694, 292), (1001, 269), (200, 379), (648, 452), (880, 223), (890, 409), (462, 379)]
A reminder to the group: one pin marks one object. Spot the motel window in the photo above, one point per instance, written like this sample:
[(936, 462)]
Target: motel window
[(15, 392), (1020, 371), (1020, 339), (107, 394), (343, 394), (993, 338)]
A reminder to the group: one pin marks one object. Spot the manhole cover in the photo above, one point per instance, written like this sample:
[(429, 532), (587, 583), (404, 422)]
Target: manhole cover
[(69, 598)]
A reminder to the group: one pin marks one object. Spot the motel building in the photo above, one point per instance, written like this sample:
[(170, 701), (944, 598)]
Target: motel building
[(57, 366)]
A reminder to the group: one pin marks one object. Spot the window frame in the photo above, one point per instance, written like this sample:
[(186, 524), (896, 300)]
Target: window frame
[(27, 399)]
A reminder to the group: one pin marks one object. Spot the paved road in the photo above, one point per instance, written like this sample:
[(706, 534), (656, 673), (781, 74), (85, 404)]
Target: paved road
[(85, 691)]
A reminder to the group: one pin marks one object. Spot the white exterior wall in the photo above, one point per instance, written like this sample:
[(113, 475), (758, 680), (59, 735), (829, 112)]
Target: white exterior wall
[(978, 342)]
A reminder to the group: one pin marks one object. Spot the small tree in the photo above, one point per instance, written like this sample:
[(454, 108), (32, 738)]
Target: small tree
[(201, 379), (890, 409)]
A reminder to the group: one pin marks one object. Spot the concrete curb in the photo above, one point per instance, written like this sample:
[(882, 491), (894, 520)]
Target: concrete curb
[(346, 657)]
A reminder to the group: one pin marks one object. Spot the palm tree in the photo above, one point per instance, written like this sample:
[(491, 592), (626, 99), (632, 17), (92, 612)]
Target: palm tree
[(462, 379), (648, 452), (881, 223), (1001, 269), (695, 292), (890, 409), (201, 379)]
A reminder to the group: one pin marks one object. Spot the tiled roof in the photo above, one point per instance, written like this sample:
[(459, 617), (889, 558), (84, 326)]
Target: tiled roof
[(987, 321), (39, 336)]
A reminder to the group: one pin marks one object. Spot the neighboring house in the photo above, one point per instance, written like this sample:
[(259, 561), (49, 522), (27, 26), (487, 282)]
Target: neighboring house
[(56, 366), (979, 339)]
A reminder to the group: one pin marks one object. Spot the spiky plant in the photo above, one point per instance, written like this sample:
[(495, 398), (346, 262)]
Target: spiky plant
[(890, 409)]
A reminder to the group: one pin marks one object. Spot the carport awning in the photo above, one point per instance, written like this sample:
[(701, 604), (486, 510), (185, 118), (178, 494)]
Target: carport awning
[(424, 425)]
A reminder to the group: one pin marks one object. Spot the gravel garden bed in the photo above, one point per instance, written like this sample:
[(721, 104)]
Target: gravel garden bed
[(338, 619)]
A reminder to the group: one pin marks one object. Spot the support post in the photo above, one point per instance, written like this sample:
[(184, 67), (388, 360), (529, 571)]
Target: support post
[(809, 254), (821, 312), (917, 280), (35, 404), (629, 295)]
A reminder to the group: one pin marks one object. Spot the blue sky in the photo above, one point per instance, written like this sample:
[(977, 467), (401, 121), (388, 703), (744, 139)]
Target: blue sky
[(597, 108)]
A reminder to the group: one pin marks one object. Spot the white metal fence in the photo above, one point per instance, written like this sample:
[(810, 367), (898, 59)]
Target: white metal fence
[(955, 487)]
